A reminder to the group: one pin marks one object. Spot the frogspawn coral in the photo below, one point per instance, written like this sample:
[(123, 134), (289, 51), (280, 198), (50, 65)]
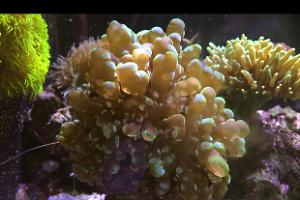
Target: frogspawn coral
[(151, 108), (256, 70)]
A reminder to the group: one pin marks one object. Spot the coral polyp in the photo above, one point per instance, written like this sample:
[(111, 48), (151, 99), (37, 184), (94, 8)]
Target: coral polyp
[(24, 54), (256, 70), (70, 70), (150, 117)]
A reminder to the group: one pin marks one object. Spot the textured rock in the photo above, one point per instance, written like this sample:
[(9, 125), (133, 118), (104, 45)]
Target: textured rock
[(65, 196), (29, 192), (271, 168), (45, 119), (11, 125)]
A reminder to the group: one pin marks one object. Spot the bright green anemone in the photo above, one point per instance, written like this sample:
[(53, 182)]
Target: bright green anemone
[(24, 54)]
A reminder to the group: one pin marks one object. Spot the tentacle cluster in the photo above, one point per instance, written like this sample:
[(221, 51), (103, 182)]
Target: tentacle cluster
[(151, 110), (256, 68), (70, 70), (24, 55)]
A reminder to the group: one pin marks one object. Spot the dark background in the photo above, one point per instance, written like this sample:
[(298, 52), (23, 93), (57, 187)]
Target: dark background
[(68, 29)]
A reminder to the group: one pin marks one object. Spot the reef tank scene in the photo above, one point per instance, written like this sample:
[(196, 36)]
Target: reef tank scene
[(149, 107)]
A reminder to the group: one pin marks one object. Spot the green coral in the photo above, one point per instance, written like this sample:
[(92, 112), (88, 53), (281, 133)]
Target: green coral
[(255, 71), (24, 54)]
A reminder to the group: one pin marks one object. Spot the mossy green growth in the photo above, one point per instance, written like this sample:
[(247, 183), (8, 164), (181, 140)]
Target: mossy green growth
[(24, 54)]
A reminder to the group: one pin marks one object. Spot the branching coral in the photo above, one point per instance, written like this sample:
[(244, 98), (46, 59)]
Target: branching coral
[(256, 70), (151, 111), (24, 54)]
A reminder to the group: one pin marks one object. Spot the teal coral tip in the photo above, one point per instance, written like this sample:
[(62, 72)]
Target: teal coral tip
[(24, 54)]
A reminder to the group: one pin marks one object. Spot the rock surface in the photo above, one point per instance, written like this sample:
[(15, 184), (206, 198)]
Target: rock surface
[(271, 168), (12, 114), (65, 196)]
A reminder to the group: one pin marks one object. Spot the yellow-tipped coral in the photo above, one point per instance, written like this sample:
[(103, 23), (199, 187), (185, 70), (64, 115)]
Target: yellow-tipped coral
[(151, 107), (256, 70)]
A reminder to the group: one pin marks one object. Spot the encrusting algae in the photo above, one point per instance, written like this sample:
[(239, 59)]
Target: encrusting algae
[(151, 107)]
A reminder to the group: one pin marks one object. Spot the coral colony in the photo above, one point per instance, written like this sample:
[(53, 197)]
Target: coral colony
[(144, 104), (148, 113), (24, 62), (255, 71), (24, 54)]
